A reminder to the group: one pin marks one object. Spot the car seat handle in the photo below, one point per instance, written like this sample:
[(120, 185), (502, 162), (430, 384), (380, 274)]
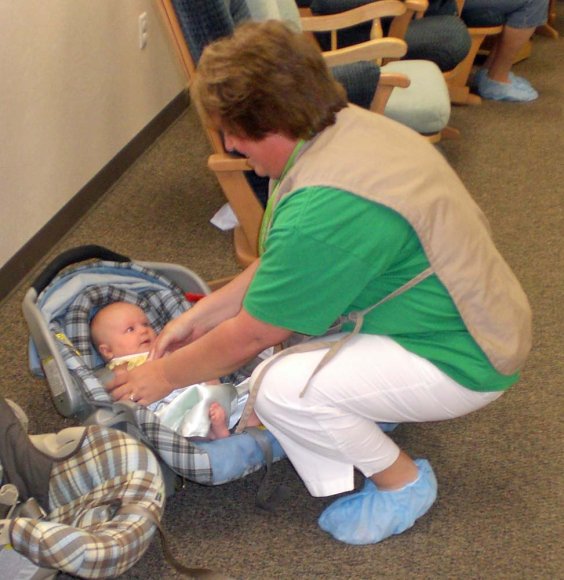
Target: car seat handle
[(74, 256)]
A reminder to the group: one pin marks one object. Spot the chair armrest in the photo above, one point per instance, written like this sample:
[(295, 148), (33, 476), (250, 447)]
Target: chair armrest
[(359, 15), (417, 7), (371, 50), (225, 162), (387, 83), (394, 79), (413, 9)]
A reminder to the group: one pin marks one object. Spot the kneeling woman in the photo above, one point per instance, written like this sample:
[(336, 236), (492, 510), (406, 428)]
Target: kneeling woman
[(362, 212)]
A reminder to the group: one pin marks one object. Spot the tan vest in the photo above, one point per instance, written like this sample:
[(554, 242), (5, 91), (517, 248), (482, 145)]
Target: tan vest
[(380, 160)]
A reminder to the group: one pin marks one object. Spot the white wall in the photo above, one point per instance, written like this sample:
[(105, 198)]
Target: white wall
[(74, 89)]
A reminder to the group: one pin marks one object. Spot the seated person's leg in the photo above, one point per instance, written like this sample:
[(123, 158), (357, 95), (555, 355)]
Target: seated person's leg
[(496, 80)]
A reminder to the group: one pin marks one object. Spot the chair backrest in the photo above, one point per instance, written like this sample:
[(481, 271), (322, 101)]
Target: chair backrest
[(440, 36), (196, 23), (480, 18), (193, 25), (203, 21), (448, 7)]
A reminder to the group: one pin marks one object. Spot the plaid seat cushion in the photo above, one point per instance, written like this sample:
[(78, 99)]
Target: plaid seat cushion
[(85, 534), (160, 299)]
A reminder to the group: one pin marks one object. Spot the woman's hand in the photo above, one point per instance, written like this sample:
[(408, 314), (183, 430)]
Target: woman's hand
[(177, 333), (144, 385), (205, 315)]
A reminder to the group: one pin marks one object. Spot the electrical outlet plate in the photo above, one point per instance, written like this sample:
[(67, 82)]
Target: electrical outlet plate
[(143, 27)]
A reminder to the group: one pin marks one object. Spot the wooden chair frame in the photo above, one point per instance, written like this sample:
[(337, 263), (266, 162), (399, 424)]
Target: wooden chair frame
[(548, 28), (457, 79), (229, 169), (413, 9), (378, 49)]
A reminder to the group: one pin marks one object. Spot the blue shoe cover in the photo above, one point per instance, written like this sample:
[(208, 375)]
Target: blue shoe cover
[(476, 77), (520, 81), (370, 515), (518, 90), (480, 73), (388, 427)]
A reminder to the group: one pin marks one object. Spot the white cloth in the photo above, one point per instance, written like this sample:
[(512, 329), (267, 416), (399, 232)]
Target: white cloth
[(332, 428), (225, 218), (275, 10), (189, 412), (186, 410)]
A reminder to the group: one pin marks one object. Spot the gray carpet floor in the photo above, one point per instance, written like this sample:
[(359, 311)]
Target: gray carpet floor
[(499, 512)]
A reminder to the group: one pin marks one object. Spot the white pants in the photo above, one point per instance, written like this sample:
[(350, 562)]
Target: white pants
[(332, 429)]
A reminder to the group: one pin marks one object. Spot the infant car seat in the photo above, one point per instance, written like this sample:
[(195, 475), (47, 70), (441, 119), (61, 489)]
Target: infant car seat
[(58, 308), (86, 501)]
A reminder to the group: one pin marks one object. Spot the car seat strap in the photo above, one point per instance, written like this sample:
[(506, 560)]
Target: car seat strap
[(266, 500), (198, 573)]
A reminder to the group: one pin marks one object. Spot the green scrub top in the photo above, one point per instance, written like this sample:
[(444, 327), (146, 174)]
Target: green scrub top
[(329, 252)]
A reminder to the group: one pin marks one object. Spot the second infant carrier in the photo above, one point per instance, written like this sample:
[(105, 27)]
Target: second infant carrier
[(58, 308)]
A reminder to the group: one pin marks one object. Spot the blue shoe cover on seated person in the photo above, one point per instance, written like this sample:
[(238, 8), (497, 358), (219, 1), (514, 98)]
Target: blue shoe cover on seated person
[(371, 515), (519, 81), (517, 91)]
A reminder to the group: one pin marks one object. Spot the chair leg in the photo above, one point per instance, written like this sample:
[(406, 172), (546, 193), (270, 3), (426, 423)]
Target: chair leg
[(450, 133), (547, 30), (244, 252), (457, 80), (433, 139), (446, 133), (463, 96), (218, 283)]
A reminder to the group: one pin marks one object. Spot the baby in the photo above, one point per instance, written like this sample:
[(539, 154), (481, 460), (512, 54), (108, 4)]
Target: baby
[(123, 335)]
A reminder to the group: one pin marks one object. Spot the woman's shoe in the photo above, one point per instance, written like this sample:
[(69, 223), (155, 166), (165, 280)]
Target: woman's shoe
[(388, 427), (372, 515)]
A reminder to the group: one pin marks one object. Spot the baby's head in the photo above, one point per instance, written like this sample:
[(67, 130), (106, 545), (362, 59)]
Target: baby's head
[(121, 329)]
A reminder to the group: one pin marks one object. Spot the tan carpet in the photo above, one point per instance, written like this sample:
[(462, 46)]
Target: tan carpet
[(499, 512)]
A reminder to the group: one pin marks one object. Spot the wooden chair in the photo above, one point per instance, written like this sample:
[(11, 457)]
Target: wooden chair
[(440, 36), (415, 10), (548, 29), (376, 49), (425, 105), (458, 79), (190, 37)]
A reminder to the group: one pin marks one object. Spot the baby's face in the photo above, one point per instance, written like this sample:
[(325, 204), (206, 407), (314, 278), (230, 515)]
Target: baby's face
[(129, 331)]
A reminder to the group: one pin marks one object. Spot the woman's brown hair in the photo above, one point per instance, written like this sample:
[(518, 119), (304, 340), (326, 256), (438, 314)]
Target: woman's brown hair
[(266, 78)]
